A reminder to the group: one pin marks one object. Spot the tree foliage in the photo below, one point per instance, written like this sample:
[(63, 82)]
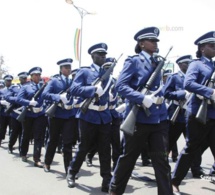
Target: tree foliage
[(3, 68)]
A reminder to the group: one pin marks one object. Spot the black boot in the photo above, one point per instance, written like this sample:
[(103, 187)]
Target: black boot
[(70, 180)]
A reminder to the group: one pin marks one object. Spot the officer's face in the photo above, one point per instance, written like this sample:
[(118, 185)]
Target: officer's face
[(99, 58), (184, 66), (65, 70), (8, 83), (36, 78), (150, 45), (208, 50), (23, 80)]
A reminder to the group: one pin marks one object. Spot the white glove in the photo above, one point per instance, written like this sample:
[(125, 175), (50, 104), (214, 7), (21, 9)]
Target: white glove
[(111, 98), (213, 96), (187, 94), (64, 98), (148, 101), (99, 90), (167, 105), (121, 108), (75, 101), (33, 103), (5, 103), (199, 96)]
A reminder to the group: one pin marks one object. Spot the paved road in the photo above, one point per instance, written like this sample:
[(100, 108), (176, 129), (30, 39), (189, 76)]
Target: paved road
[(19, 178)]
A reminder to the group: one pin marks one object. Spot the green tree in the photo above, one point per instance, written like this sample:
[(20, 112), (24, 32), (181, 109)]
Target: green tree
[(3, 68)]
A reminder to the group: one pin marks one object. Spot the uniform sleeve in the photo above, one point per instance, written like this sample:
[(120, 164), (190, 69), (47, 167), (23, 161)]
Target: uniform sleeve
[(9, 96), (123, 83), (170, 91), (21, 97), (191, 84), (81, 87), (48, 92)]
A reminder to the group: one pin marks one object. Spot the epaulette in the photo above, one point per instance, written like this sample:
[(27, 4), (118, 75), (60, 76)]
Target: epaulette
[(174, 74), (136, 55), (13, 86), (85, 67)]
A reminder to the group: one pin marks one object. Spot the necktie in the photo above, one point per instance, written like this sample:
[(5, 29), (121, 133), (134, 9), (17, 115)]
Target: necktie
[(37, 87), (153, 63), (67, 82)]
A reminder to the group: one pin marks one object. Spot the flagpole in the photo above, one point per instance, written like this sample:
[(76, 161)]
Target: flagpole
[(82, 12)]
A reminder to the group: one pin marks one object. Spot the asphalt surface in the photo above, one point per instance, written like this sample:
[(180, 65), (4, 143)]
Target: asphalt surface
[(22, 178)]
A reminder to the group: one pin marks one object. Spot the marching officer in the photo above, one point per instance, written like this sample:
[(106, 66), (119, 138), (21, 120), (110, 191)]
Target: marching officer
[(115, 123), (35, 120), (196, 80), (63, 119), (4, 118), (151, 129), (116, 117), (174, 91), (94, 124), (16, 126)]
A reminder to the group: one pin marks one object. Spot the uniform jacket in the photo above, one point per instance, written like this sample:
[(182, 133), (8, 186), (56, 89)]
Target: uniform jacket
[(135, 74), (199, 71), (82, 87), (11, 97), (3, 93), (52, 94), (26, 94), (174, 90)]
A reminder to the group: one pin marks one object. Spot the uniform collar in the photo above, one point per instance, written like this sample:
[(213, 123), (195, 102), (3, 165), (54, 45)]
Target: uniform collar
[(96, 67), (64, 77), (181, 73), (147, 56)]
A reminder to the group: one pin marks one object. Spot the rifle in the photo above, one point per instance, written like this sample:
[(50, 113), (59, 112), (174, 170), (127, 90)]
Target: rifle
[(50, 111), (128, 125), (182, 104), (86, 102), (10, 108), (201, 115), (21, 117)]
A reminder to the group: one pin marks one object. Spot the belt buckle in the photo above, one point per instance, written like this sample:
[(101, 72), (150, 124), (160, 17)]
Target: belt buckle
[(159, 100), (100, 108)]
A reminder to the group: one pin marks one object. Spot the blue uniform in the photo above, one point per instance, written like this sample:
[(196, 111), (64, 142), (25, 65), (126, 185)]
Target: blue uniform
[(150, 130), (174, 90), (82, 86), (4, 118), (198, 73), (135, 74), (26, 94), (16, 126), (52, 93), (94, 125), (35, 121), (63, 122)]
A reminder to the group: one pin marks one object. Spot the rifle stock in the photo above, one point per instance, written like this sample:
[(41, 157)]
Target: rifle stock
[(128, 125), (201, 115), (87, 102), (50, 112), (175, 114), (21, 117), (10, 109)]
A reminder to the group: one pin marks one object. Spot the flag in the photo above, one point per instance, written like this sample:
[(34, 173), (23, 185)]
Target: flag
[(77, 44)]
